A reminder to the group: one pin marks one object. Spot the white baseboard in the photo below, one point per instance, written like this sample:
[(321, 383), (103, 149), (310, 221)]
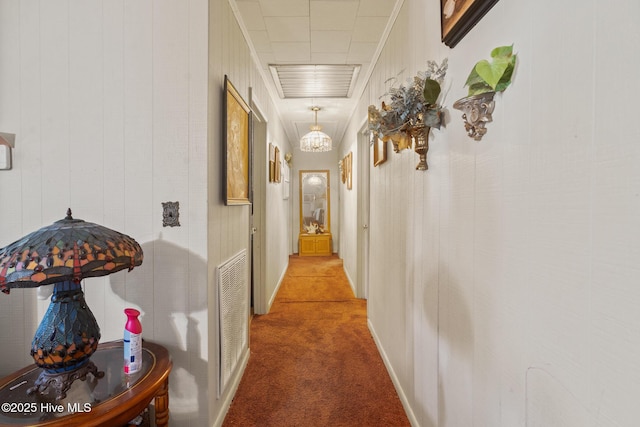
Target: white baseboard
[(275, 292), (353, 285), (233, 387), (394, 378)]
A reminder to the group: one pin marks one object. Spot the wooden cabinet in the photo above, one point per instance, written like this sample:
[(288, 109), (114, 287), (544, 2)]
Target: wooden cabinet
[(315, 244)]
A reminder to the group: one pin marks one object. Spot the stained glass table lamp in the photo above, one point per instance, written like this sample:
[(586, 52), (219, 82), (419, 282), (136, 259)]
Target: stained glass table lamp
[(63, 254)]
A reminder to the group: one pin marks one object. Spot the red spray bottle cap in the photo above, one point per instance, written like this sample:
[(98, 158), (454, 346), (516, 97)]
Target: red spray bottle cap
[(133, 325)]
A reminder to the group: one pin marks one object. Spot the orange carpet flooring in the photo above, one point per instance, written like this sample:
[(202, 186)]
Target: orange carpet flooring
[(313, 361)]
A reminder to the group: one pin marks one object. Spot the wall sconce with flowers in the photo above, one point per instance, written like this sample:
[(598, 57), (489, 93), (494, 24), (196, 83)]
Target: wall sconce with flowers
[(412, 112)]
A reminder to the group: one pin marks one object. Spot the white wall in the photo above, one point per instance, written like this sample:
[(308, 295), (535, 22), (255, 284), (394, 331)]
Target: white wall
[(277, 245), (504, 279), (348, 237), (117, 108), (276, 228)]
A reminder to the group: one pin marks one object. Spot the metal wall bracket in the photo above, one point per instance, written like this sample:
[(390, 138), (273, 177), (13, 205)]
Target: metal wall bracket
[(477, 111)]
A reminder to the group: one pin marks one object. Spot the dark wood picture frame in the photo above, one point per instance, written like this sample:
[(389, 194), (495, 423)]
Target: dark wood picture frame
[(461, 16), (379, 150), (237, 149)]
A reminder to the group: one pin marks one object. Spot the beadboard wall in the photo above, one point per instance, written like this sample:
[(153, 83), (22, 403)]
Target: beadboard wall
[(504, 280), (117, 108)]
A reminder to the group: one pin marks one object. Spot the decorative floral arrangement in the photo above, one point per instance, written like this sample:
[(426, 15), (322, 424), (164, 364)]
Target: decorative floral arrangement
[(414, 103)]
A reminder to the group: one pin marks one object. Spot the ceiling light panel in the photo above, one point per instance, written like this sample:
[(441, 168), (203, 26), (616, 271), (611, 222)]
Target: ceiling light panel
[(314, 81)]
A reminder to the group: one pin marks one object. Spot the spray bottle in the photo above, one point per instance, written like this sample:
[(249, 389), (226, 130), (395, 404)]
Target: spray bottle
[(132, 342)]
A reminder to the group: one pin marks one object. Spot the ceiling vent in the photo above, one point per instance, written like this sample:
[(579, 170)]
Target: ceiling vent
[(314, 81)]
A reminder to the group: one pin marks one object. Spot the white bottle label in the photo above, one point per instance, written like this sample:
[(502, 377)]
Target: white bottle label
[(132, 352)]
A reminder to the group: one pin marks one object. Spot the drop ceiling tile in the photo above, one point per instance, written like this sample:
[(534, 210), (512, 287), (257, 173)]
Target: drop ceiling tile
[(251, 15), (291, 52), (288, 29), (284, 7), (361, 52), (330, 41), (260, 41), (376, 8), (328, 58), (266, 59), (368, 29), (333, 15)]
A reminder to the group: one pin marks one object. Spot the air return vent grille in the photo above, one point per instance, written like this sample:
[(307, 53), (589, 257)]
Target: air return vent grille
[(314, 81), (233, 296)]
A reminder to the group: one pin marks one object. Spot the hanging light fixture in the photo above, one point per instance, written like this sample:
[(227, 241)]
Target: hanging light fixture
[(315, 141)]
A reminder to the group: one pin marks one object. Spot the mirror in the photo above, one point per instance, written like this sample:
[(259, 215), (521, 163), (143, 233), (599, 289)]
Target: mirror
[(314, 201)]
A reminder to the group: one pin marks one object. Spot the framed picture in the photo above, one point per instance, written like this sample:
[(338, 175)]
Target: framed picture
[(350, 170), (379, 150), (272, 162), (278, 166), (236, 130), (460, 16)]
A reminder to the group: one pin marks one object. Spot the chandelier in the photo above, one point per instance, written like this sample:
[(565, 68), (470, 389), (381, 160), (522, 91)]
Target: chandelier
[(315, 141)]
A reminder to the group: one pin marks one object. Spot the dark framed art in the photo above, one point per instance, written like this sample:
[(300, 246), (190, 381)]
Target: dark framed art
[(237, 156), (458, 17), (379, 150)]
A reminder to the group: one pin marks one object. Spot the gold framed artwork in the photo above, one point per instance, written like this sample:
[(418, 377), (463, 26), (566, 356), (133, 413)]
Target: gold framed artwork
[(236, 130), (379, 150), (275, 164), (349, 170), (345, 166), (458, 17), (272, 162), (278, 166)]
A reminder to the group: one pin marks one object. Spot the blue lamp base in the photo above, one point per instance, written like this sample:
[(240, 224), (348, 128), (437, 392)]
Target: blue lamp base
[(67, 336)]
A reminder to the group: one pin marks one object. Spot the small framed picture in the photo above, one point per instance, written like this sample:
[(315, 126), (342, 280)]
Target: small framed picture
[(278, 166), (349, 170), (379, 150), (272, 162)]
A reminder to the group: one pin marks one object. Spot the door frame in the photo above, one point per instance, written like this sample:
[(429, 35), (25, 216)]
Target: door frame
[(364, 165), (257, 220)]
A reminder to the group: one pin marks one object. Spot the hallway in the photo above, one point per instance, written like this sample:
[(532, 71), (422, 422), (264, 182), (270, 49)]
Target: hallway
[(313, 361)]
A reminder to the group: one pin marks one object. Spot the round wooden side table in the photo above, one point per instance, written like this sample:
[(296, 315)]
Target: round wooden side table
[(112, 400)]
